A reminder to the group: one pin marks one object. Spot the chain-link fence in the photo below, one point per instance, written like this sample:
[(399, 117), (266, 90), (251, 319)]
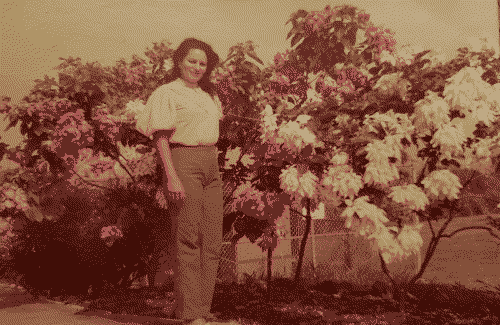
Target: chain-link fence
[(332, 252)]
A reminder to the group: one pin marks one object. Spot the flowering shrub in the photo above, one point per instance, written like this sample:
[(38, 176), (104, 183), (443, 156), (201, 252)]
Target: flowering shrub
[(7, 237), (337, 125), (111, 233)]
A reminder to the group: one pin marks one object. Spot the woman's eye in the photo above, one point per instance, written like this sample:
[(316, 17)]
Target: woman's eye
[(193, 62)]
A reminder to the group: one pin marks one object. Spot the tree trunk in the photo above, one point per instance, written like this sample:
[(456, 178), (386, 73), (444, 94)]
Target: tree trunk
[(269, 270), (303, 243)]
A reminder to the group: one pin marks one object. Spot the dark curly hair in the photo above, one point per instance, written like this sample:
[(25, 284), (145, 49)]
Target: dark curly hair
[(182, 51)]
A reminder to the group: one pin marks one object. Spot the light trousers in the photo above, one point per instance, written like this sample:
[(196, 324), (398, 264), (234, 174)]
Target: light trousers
[(196, 230)]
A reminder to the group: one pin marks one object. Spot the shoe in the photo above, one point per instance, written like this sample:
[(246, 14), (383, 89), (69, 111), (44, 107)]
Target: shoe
[(211, 317), (199, 321)]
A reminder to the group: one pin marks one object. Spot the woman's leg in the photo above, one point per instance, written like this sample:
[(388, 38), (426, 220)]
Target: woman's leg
[(211, 243), (186, 226)]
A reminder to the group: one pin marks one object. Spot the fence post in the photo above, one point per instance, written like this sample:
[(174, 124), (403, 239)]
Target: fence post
[(313, 242), (348, 257)]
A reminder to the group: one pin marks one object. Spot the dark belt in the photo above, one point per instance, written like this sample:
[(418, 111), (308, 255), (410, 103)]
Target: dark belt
[(174, 145)]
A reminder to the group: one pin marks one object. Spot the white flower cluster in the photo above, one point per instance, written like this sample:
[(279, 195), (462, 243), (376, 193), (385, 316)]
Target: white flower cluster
[(442, 184), (466, 90), (467, 93), (390, 84), (294, 134), (372, 217), (13, 197), (318, 213), (233, 155), (395, 247), (391, 123), (294, 183), (431, 113), (379, 169), (478, 156), (450, 140), (385, 56), (410, 195), (313, 96), (136, 107), (268, 126), (341, 179)]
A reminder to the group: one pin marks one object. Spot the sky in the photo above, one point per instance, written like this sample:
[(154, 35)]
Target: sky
[(35, 33)]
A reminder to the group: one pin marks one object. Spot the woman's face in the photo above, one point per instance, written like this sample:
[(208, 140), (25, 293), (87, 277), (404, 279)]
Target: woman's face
[(193, 66)]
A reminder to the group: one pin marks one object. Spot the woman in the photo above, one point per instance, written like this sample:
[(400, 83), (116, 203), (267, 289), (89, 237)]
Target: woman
[(184, 120)]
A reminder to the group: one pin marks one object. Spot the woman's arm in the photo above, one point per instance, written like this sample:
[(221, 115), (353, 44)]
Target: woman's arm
[(163, 149)]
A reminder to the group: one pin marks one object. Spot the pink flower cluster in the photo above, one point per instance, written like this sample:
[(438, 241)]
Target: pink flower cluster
[(49, 108), (382, 38), (363, 18), (108, 123), (133, 75), (139, 95), (281, 58), (223, 73), (318, 19), (349, 82), (223, 77), (72, 132)]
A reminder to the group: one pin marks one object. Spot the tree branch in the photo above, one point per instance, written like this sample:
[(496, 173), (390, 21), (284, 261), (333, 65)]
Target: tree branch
[(432, 228), (421, 176), (428, 256), (446, 223), (123, 166), (89, 183), (470, 228), (386, 270)]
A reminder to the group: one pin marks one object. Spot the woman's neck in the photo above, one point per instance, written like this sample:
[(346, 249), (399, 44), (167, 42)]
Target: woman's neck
[(189, 85)]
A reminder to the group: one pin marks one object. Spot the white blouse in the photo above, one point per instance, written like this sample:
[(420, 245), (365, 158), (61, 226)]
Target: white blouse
[(190, 112)]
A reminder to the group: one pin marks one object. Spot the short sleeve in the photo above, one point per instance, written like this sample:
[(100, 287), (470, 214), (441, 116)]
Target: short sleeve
[(158, 114)]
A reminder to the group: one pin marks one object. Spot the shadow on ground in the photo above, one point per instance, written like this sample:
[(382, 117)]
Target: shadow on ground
[(327, 303)]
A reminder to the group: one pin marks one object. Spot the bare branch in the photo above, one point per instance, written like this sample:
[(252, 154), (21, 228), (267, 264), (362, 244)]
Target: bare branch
[(428, 255), (446, 223), (385, 269), (432, 228), (422, 174), (125, 168), (470, 228), (89, 183)]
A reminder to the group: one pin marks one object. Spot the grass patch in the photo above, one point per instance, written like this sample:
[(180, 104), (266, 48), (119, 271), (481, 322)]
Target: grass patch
[(310, 302)]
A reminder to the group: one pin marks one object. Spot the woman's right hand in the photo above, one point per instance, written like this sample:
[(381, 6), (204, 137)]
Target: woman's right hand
[(175, 191)]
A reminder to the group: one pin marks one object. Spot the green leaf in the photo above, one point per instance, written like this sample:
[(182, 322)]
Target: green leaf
[(34, 214), (296, 39), (421, 54), (301, 13), (40, 129), (338, 25), (294, 30), (35, 197), (350, 36), (319, 159), (307, 151), (241, 89), (255, 57)]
